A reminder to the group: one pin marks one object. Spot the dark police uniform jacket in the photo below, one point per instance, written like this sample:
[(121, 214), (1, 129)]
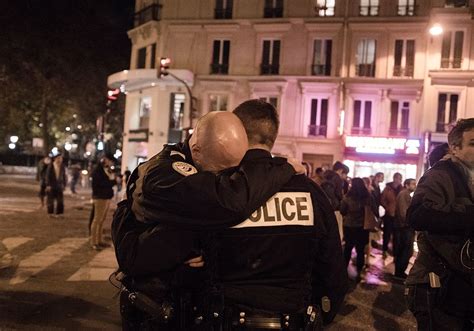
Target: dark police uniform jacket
[(172, 203), (286, 255)]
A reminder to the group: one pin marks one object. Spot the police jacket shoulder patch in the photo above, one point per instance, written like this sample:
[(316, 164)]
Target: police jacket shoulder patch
[(184, 168)]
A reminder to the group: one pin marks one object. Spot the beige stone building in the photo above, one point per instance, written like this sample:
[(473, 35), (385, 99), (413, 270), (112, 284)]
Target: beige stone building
[(364, 82)]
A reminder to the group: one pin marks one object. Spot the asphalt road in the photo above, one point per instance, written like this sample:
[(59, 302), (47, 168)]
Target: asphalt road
[(58, 283)]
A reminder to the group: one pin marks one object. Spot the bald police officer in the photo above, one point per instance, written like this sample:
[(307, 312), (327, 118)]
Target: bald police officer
[(171, 201)]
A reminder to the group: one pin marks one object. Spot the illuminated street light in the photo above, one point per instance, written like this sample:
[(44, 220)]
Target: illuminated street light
[(11, 146), (67, 146), (100, 146), (68, 128), (436, 29), (14, 139)]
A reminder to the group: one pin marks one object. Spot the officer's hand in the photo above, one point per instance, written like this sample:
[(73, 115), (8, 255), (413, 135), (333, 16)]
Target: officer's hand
[(299, 168), (195, 262)]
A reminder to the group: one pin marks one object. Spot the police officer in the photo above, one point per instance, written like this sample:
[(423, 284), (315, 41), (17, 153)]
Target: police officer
[(282, 265), (440, 286), (171, 201)]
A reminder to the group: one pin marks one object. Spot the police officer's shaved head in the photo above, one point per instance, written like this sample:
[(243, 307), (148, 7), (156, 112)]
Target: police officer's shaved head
[(219, 141), (260, 120)]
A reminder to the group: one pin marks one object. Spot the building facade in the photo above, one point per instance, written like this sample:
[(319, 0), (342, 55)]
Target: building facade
[(363, 81)]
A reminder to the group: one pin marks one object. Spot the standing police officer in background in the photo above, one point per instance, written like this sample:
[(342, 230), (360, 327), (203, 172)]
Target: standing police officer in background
[(171, 203), (440, 286), (281, 265)]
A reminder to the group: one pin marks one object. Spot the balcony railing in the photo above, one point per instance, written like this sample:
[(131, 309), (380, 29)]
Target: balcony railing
[(407, 10), (368, 10), (223, 13), (217, 68), (272, 12), (457, 3), (147, 14), (451, 64), (269, 69), (317, 130), (323, 11), (321, 70), (399, 71), (398, 132), (361, 131), (365, 70)]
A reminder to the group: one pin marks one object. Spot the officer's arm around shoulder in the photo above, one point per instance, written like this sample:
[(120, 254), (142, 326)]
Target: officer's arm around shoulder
[(434, 209)]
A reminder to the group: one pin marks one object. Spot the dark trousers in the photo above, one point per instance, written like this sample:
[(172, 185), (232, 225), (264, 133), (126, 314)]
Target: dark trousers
[(55, 195), (402, 248), (420, 299), (358, 238), (73, 184), (387, 230)]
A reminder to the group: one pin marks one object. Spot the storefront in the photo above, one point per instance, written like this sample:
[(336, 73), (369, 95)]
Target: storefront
[(366, 156)]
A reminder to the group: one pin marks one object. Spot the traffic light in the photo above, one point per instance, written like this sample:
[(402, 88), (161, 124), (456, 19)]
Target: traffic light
[(164, 66), (112, 96)]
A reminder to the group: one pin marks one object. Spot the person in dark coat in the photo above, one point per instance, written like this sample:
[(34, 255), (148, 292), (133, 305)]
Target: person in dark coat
[(41, 177), (103, 180), (55, 182), (440, 286)]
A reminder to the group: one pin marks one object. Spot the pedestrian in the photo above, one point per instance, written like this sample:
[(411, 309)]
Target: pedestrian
[(55, 181), (103, 180), (333, 185), (318, 175), (376, 193), (440, 290), (373, 232), (167, 191), (438, 153), (41, 177), (403, 235), (388, 200), (75, 173), (353, 210)]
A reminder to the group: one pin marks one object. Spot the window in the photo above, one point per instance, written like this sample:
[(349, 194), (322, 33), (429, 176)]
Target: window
[(273, 8), (404, 63), (369, 7), (362, 116), (325, 7), (322, 57), (270, 57), (406, 7), (365, 58), (223, 9), (177, 101), (457, 3), (271, 100), (451, 49), (153, 56), (399, 116), (144, 112), (220, 57), (319, 117), (217, 102), (141, 58), (447, 110)]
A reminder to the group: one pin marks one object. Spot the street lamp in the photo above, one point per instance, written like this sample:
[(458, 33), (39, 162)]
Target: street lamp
[(13, 139), (436, 29), (11, 146)]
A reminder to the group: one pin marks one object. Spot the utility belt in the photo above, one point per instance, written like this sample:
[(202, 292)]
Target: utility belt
[(237, 319)]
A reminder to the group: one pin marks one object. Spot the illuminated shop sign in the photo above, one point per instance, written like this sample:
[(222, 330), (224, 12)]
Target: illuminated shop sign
[(383, 145)]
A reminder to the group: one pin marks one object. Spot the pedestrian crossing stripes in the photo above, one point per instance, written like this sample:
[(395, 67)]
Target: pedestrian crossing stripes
[(99, 268)]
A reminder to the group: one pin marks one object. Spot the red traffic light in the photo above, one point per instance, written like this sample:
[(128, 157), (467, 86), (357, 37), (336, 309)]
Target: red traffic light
[(164, 66), (113, 94)]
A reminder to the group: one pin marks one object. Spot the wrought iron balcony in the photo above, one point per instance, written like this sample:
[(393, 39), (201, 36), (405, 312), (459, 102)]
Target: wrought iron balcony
[(399, 71), (457, 3), (323, 11), (361, 131), (451, 64), (272, 12), (321, 70), (402, 132), (317, 130), (147, 14), (217, 68), (223, 13), (365, 70), (368, 10), (269, 69)]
